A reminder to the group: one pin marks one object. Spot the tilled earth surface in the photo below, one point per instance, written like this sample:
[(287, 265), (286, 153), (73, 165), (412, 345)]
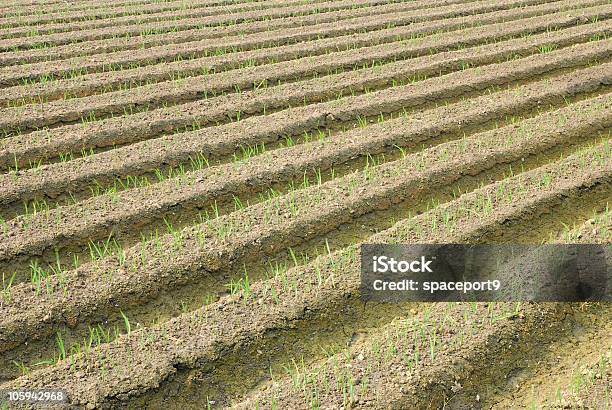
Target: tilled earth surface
[(185, 186)]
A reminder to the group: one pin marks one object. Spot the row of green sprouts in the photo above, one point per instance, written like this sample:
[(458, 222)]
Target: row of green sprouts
[(78, 350), (412, 343), (127, 9), (179, 75), (292, 205), (181, 173), (52, 277), (35, 32)]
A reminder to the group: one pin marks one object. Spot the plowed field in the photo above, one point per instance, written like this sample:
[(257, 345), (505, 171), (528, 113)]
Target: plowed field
[(185, 186)]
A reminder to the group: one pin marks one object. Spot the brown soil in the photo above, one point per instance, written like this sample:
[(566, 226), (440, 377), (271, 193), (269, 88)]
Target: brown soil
[(543, 382), (272, 41), (286, 234), (215, 24), (258, 40), (141, 207), (109, 17), (131, 356), (232, 280), (55, 179), (51, 6), (27, 118)]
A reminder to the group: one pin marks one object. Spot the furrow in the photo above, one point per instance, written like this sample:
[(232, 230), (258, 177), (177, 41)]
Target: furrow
[(597, 229), (357, 33), (217, 19), (194, 342), (38, 116), (152, 12), (33, 9), (11, 75), (538, 381), (37, 7), (531, 375), (117, 214), (402, 368), (54, 179), (249, 41), (190, 46), (588, 387), (241, 28), (186, 187), (203, 251)]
